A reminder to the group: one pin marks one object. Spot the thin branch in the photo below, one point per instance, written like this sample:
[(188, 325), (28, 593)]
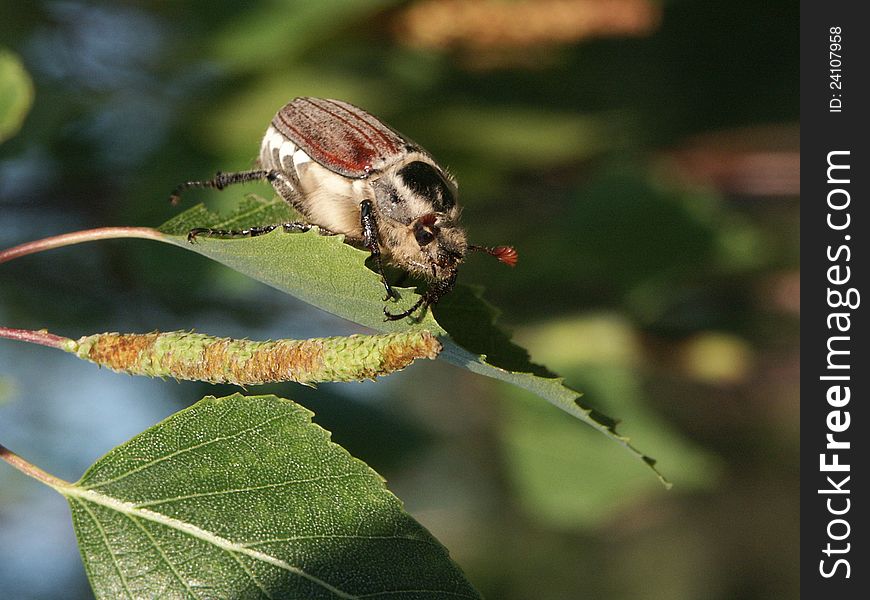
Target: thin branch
[(35, 337), (32, 470), (78, 237)]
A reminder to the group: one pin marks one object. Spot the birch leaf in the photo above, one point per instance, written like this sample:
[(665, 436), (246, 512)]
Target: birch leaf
[(244, 497)]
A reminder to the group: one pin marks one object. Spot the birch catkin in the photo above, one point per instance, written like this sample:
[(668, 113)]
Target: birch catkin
[(200, 357)]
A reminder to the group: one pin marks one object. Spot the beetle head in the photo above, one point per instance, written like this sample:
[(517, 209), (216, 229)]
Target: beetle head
[(419, 200), (431, 246)]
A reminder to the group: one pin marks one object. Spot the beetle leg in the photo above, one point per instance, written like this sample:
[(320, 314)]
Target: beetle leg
[(285, 188), (436, 291), (282, 184), (300, 227), (229, 233), (388, 316), (220, 181), (291, 227), (249, 232), (371, 241)]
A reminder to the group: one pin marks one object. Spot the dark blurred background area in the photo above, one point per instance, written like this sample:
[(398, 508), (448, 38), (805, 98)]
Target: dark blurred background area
[(642, 156)]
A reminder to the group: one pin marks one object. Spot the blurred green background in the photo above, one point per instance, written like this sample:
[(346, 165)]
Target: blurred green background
[(642, 156)]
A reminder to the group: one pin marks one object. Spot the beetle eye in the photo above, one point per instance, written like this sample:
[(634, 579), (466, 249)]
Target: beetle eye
[(423, 236)]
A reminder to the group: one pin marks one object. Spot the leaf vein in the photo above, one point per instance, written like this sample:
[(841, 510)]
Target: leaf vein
[(241, 490), (251, 575), (105, 539), (179, 452), (302, 538), (162, 554), (128, 508)]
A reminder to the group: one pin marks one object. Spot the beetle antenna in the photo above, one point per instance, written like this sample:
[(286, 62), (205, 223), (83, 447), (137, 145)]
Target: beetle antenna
[(506, 254)]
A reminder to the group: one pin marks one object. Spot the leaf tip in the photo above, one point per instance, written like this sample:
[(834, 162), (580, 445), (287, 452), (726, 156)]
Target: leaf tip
[(651, 462)]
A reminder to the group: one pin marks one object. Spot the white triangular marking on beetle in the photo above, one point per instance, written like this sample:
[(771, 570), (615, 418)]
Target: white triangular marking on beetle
[(300, 157), (286, 153)]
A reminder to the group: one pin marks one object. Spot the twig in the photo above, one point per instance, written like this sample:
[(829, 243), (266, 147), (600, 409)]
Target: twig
[(78, 237)]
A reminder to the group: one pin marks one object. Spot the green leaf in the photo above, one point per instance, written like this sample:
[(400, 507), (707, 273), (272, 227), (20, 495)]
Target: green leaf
[(329, 274), (16, 94), (244, 497)]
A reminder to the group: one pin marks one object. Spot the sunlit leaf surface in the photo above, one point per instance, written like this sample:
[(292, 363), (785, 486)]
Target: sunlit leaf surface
[(244, 497)]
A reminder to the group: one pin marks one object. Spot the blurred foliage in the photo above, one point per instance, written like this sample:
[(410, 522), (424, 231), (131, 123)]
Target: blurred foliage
[(584, 487), (16, 94), (647, 176)]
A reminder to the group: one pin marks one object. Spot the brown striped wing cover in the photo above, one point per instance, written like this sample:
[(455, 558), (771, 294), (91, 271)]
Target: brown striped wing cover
[(343, 138)]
